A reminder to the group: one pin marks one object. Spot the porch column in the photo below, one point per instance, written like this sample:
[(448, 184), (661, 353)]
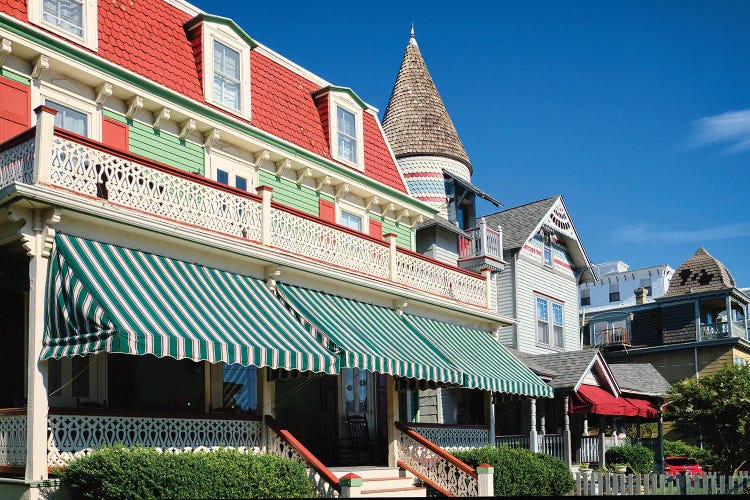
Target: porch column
[(602, 444), (533, 442), (567, 452), (660, 445), (266, 399), (586, 424), (729, 315), (391, 398), (37, 238), (489, 416)]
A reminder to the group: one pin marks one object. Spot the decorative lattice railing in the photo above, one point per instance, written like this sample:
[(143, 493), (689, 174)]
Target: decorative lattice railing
[(72, 435), (282, 444), (453, 437), (13, 437), (17, 160), (437, 468)]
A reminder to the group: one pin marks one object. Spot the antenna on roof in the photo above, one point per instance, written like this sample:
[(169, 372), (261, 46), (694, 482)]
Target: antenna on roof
[(412, 39)]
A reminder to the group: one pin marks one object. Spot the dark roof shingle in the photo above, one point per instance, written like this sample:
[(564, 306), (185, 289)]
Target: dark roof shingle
[(640, 378), (700, 273), (519, 222)]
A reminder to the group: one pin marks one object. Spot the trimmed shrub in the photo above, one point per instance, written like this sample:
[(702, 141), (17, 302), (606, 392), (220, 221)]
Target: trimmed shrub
[(681, 448), (145, 473), (638, 458), (520, 472)]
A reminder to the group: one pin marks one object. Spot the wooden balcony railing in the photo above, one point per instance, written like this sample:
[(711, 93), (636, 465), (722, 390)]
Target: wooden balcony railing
[(481, 247), (99, 173), (453, 437), (612, 337)]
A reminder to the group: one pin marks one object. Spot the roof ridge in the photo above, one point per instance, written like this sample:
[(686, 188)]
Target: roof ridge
[(524, 205)]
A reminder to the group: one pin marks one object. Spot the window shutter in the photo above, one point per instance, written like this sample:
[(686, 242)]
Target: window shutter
[(15, 108), (115, 134), (327, 211), (376, 229)]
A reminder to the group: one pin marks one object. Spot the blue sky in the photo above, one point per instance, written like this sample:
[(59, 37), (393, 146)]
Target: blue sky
[(637, 112)]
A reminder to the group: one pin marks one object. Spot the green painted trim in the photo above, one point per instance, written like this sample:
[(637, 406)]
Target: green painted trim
[(21, 29), (208, 18), (16, 77), (344, 90), (352, 482)]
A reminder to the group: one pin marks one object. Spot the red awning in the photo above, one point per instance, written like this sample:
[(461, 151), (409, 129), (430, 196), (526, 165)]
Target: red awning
[(592, 399), (646, 408)]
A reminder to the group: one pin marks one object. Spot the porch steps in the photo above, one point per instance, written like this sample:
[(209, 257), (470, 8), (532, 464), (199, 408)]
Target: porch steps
[(384, 481)]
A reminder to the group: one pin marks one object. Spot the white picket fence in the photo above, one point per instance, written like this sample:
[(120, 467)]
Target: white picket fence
[(608, 483)]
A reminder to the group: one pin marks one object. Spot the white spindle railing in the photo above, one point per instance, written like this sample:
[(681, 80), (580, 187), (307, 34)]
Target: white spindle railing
[(83, 166), (17, 160), (551, 444), (611, 484), (589, 449), (453, 437), (74, 435), (516, 441), (13, 438), (481, 241)]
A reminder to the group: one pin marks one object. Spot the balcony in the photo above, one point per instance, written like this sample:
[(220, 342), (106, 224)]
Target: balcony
[(64, 164), (724, 330), (481, 248), (612, 337)]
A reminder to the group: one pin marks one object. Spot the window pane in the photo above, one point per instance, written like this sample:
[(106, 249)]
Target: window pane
[(81, 376), (547, 255), (542, 332), (362, 390), (347, 134), (346, 122), (241, 183), (65, 14), (68, 118), (541, 309), (226, 75), (559, 339), (348, 374), (557, 314), (240, 387), (351, 221), (347, 148), (222, 176)]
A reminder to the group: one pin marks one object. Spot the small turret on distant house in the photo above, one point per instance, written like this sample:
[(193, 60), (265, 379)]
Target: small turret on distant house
[(437, 169)]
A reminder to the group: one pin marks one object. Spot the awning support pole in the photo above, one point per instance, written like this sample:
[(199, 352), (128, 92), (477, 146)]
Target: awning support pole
[(266, 400), (489, 416), (660, 447), (391, 397), (533, 441), (567, 452), (602, 444)]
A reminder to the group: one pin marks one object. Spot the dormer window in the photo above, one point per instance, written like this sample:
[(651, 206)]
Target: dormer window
[(73, 19), (227, 76), (223, 49), (347, 134)]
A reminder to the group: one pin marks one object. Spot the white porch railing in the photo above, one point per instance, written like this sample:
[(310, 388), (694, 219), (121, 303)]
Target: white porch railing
[(72, 434), (516, 441), (121, 179), (551, 444), (438, 469), (481, 241), (589, 449), (610, 484), (13, 437), (453, 437)]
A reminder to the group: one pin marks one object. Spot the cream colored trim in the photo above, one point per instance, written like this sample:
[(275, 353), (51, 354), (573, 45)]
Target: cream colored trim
[(214, 32), (90, 36), (342, 100)]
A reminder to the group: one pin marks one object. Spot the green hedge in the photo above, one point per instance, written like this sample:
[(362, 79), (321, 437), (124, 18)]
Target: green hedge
[(639, 458), (681, 448), (522, 472), (145, 473)]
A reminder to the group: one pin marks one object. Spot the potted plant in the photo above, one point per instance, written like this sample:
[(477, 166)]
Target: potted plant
[(583, 468), (620, 468)]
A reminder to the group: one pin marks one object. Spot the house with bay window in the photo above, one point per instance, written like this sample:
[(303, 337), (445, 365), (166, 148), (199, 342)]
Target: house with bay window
[(203, 244)]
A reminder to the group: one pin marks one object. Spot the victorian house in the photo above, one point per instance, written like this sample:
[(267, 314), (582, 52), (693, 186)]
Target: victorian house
[(203, 244)]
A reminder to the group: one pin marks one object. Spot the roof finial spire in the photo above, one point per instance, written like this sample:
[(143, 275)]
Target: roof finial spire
[(412, 39)]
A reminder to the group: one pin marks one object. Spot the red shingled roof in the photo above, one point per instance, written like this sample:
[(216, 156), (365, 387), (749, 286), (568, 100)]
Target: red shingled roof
[(147, 37)]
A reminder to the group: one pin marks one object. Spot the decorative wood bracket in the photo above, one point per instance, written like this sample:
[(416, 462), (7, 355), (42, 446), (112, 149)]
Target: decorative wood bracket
[(37, 221), (162, 117), (303, 174), (260, 157), (102, 93), (134, 105), (341, 191), (372, 201), (211, 138), (272, 274), (6, 47), (403, 213), (282, 166), (323, 181), (40, 66), (187, 128)]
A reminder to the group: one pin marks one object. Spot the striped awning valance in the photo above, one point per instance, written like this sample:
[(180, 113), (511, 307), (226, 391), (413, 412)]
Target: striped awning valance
[(370, 337), (103, 297), (485, 363)]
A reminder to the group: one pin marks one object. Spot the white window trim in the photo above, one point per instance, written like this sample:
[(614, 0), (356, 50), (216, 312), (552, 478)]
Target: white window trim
[(90, 36), (71, 100), (227, 37), (342, 100), (347, 206), (550, 322), (220, 160)]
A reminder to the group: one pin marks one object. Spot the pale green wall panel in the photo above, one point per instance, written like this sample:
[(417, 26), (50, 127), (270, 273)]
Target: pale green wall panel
[(290, 194), (11, 75), (161, 146), (402, 231)]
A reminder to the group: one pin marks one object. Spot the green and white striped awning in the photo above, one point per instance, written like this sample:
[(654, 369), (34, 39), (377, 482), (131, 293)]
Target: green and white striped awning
[(370, 337), (486, 364), (103, 297)]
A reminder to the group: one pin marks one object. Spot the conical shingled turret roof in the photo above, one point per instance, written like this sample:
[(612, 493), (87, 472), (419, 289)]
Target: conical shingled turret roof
[(416, 122), (700, 273)]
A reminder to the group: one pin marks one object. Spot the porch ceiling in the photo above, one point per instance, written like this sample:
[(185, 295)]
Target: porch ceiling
[(370, 337), (103, 297)]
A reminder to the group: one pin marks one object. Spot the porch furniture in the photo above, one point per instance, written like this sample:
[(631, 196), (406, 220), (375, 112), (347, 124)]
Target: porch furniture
[(361, 446)]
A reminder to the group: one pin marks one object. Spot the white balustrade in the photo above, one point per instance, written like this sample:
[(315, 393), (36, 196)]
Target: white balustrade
[(431, 277), (438, 470), (453, 438), (13, 440), (71, 436), (119, 180), (315, 240), (551, 444), (589, 449), (17, 164)]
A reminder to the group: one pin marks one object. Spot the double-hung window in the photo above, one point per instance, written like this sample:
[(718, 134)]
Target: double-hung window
[(70, 119), (346, 131), (64, 14), (550, 323), (351, 221), (227, 87), (585, 296), (542, 321), (558, 338), (614, 292), (72, 19)]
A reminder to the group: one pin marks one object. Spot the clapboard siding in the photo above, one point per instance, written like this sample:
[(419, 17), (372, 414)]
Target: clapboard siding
[(505, 298), (531, 276), (402, 232), (160, 146), (428, 406), (289, 193)]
